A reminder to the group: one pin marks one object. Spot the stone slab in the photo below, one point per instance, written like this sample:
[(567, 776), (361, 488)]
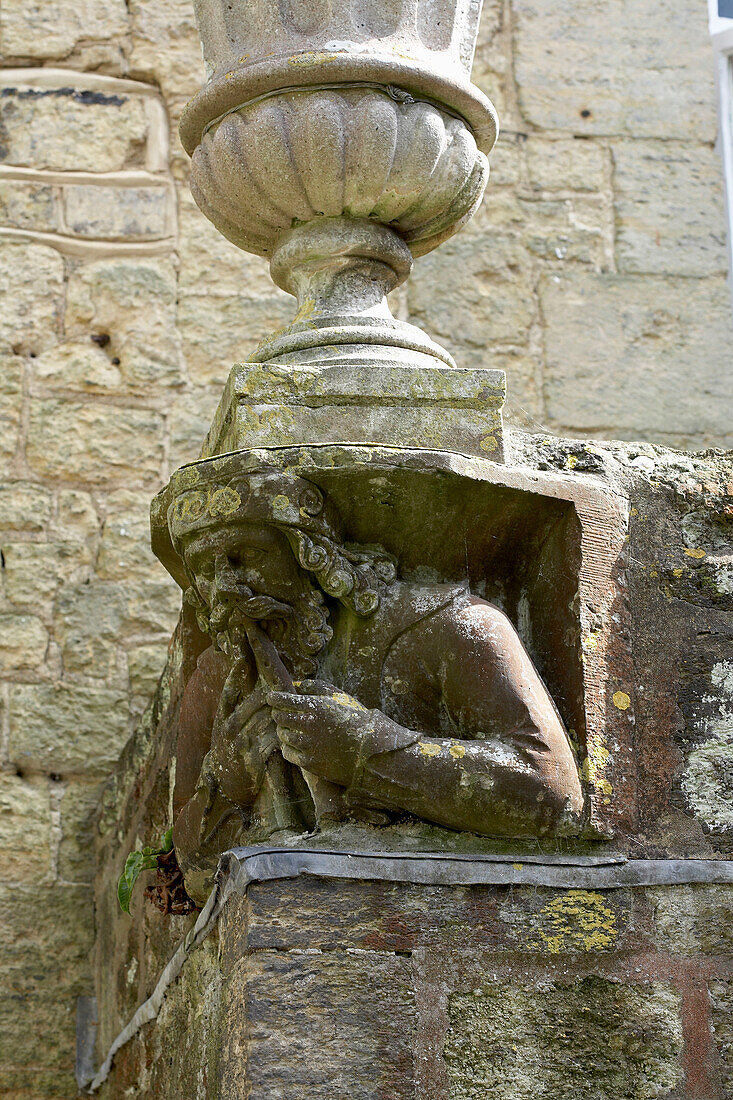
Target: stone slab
[(429, 408)]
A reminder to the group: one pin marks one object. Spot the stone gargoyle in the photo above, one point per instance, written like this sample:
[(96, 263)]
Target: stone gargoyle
[(335, 689)]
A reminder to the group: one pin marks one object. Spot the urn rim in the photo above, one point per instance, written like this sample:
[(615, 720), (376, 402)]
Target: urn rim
[(233, 89)]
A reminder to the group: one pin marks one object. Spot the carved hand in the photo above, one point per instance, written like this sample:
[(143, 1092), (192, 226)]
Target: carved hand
[(321, 729)]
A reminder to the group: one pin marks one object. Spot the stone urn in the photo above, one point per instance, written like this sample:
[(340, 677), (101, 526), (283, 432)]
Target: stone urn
[(341, 139)]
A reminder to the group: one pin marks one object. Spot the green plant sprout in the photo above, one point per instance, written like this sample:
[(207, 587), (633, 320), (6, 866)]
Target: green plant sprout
[(142, 859)]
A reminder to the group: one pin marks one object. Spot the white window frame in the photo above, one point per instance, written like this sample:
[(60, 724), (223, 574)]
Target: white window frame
[(721, 31)]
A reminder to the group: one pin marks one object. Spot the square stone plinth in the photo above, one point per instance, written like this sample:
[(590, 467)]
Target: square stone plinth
[(433, 408)]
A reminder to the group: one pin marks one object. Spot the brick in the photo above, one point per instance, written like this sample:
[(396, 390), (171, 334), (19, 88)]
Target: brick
[(212, 264), (33, 571), (166, 46), (29, 321), (77, 806), (641, 83), (145, 664), (50, 28), (219, 332), (23, 643), (94, 443), (117, 213), (124, 548), (41, 128), (87, 622), (25, 829), (669, 208), (566, 165), (623, 356), (515, 1042), (77, 365), (190, 419), (11, 401), (133, 301), (66, 729)]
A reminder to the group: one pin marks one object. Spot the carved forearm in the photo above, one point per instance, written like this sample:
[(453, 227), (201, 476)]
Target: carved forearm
[(480, 786)]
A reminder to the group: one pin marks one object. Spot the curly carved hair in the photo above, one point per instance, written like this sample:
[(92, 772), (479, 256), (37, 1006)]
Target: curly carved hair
[(354, 574)]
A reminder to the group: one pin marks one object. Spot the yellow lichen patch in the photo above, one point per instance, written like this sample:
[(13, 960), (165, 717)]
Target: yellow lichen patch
[(694, 552), (579, 920), (224, 501), (590, 641), (428, 748), (347, 700), (595, 764), (571, 462), (488, 443), (677, 572), (621, 700), (457, 751), (634, 512)]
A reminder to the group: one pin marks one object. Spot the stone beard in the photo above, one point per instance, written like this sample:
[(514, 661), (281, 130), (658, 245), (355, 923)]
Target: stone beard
[(336, 690)]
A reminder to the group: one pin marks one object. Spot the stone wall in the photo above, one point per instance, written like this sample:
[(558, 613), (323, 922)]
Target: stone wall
[(123, 311)]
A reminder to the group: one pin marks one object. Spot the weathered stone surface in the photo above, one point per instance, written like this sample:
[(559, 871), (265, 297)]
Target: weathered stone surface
[(641, 82), (25, 830), (23, 643), (43, 29), (133, 302), (145, 664), (166, 46), (510, 1042), (566, 165), (77, 365), (118, 213), (217, 332), (87, 621), (289, 1012), (124, 548), (24, 506), (11, 399), (77, 808), (721, 998), (189, 422), (707, 779), (693, 920), (40, 128), (210, 263), (669, 205), (66, 729), (34, 571), (94, 443), (637, 377), (29, 320), (76, 515), (27, 205)]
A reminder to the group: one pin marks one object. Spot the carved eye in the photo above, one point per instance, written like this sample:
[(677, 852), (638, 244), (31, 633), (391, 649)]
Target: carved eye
[(251, 554)]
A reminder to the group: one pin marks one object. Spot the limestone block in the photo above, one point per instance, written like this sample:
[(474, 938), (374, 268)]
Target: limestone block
[(43, 127), (435, 408), (693, 920), (493, 300), (721, 998), (134, 303), (508, 1042), (29, 321), (23, 643), (11, 401), (76, 515), (292, 1012), (87, 621), (218, 332), (152, 608), (616, 71), (96, 443), (124, 548), (47, 29), (145, 664), (166, 46), (25, 829), (620, 354), (211, 263), (33, 571), (24, 506), (189, 420), (77, 365), (566, 165), (118, 213), (669, 208), (47, 936), (66, 728), (507, 163), (78, 805), (27, 205)]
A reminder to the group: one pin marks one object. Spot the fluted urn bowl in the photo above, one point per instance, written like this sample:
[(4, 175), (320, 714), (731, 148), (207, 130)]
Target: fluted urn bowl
[(357, 152)]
